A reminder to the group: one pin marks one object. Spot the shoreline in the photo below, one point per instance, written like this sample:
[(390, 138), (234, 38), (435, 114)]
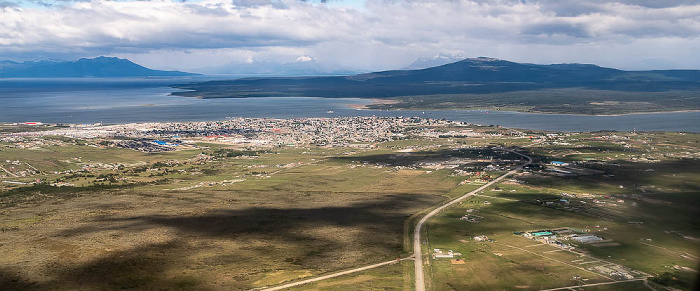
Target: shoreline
[(394, 101), (374, 101), (378, 101), (677, 120), (651, 112), (353, 106)]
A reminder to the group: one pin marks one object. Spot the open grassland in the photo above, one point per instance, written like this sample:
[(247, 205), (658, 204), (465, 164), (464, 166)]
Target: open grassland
[(174, 221), (496, 265), (391, 277), (643, 201), (77, 215), (665, 243)]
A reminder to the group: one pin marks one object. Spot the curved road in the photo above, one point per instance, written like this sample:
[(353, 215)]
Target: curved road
[(417, 252)]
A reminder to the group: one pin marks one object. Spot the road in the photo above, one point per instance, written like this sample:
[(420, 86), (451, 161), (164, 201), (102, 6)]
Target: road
[(600, 284), (562, 262), (420, 284), (290, 285), (11, 174), (417, 252)]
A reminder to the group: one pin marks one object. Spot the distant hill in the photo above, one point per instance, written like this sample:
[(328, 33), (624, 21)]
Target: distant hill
[(488, 72), (96, 67), (302, 66), (563, 88), (475, 75)]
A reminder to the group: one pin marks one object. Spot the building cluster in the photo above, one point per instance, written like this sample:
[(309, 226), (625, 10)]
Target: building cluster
[(340, 131), (28, 142), (149, 146), (445, 254), (561, 237), (644, 147)]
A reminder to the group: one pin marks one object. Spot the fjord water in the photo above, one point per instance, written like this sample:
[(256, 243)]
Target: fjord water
[(126, 100)]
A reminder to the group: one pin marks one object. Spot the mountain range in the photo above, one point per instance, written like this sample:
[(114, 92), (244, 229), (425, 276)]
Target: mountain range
[(468, 83), (95, 67), (474, 75), (487, 83)]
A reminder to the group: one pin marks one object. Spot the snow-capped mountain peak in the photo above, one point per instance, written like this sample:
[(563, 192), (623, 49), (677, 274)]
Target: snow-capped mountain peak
[(305, 59)]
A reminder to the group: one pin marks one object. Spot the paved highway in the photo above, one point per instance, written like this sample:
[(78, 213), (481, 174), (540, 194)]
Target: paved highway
[(417, 252), (420, 284)]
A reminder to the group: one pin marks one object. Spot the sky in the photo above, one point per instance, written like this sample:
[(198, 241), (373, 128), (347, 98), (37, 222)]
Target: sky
[(355, 34)]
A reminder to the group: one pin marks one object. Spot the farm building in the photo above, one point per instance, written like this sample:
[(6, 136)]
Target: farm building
[(587, 238), (558, 164)]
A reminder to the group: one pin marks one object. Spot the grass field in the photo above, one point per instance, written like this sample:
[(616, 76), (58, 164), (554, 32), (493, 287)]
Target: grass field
[(648, 216), (391, 277), (290, 214), (215, 217)]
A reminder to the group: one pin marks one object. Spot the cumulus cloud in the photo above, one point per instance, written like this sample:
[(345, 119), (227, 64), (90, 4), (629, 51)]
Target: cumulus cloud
[(384, 34)]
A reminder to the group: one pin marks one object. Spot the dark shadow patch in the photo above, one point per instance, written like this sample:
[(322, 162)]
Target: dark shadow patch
[(141, 268)]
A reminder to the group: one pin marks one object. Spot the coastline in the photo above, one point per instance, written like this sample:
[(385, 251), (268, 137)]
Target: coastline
[(651, 112), (376, 101), (115, 109)]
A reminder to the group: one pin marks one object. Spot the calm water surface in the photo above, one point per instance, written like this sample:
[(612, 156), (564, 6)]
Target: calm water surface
[(144, 100)]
